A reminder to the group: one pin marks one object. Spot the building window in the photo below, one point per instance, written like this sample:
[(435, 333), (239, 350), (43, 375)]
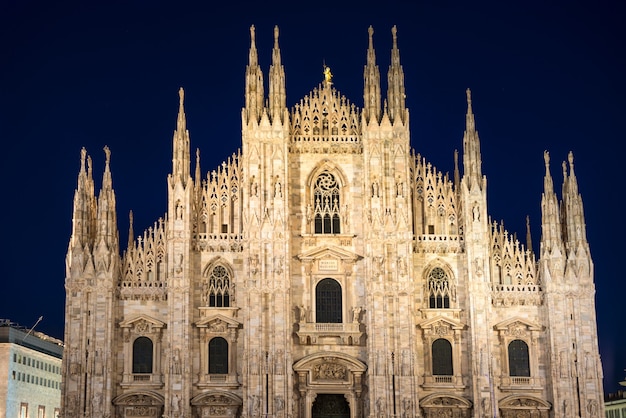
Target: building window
[(41, 412), (438, 289), (326, 204), (519, 363), (142, 355), (23, 410), (218, 356), (442, 357), (219, 287), (328, 301)]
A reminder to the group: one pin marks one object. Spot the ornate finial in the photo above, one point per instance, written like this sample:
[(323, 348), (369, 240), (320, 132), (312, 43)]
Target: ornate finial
[(546, 157), (181, 94), (252, 33), (107, 152), (468, 92), (394, 32), (328, 76), (276, 36), (570, 158), (130, 218), (370, 30)]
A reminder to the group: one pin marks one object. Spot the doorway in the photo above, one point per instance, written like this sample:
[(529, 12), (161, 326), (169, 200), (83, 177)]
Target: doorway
[(327, 405)]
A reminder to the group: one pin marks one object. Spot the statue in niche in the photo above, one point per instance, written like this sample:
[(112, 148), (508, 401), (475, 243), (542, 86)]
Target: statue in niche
[(254, 187), (356, 313), (175, 404), (302, 313), (375, 188), (476, 212), (278, 189), (176, 361)]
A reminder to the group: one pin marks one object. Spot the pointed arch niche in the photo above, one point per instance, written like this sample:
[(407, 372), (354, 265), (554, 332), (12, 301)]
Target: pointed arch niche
[(329, 373), (326, 197)]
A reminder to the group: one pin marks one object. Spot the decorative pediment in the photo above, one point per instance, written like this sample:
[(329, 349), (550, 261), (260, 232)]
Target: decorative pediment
[(330, 369), (516, 405), (216, 398), (143, 324), (218, 323), (447, 400), (517, 325), (328, 252), (144, 398), (441, 326)]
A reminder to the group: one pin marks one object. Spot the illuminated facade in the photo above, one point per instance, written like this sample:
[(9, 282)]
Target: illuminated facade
[(328, 269)]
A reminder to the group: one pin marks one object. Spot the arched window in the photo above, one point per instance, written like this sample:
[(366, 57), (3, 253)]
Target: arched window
[(438, 289), (219, 287), (442, 357), (328, 301), (326, 204), (519, 363), (218, 356), (142, 355)]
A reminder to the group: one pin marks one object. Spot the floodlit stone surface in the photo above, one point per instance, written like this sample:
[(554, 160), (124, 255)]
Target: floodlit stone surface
[(325, 267)]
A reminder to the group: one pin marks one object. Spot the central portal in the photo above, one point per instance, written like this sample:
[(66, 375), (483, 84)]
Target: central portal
[(330, 406)]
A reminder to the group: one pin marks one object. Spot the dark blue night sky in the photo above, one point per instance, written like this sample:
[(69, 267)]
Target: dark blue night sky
[(543, 74)]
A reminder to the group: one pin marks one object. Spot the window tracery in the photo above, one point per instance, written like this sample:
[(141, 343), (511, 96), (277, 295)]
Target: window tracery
[(439, 289), (326, 204), (217, 288)]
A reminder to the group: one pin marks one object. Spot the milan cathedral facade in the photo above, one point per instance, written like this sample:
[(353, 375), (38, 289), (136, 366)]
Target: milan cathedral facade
[(327, 269)]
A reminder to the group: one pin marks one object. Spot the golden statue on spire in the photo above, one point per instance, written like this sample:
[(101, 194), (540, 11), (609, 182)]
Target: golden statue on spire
[(328, 76)]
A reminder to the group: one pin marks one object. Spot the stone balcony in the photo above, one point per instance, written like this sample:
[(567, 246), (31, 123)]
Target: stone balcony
[(311, 333)]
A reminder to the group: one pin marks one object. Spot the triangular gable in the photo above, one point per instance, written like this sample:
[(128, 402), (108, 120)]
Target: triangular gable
[(517, 322), (431, 323), (155, 323), (328, 252), (215, 319)]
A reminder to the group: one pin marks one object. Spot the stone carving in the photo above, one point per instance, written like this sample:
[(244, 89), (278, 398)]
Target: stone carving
[(356, 313), (176, 361), (330, 370), (592, 408)]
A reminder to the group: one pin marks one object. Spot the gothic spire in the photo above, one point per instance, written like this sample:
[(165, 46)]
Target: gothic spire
[(254, 84), (83, 219), (181, 158), (550, 216), (395, 86), (573, 214), (371, 90), (131, 232), (529, 241), (278, 100), (472, 161), (106, 215)]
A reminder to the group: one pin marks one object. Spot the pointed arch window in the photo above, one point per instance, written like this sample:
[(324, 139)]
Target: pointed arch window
[(218, 356), (442, 357), (326, 204), (519, 361), (328, 301), (142, 355), (219, 292), (438, 289)]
